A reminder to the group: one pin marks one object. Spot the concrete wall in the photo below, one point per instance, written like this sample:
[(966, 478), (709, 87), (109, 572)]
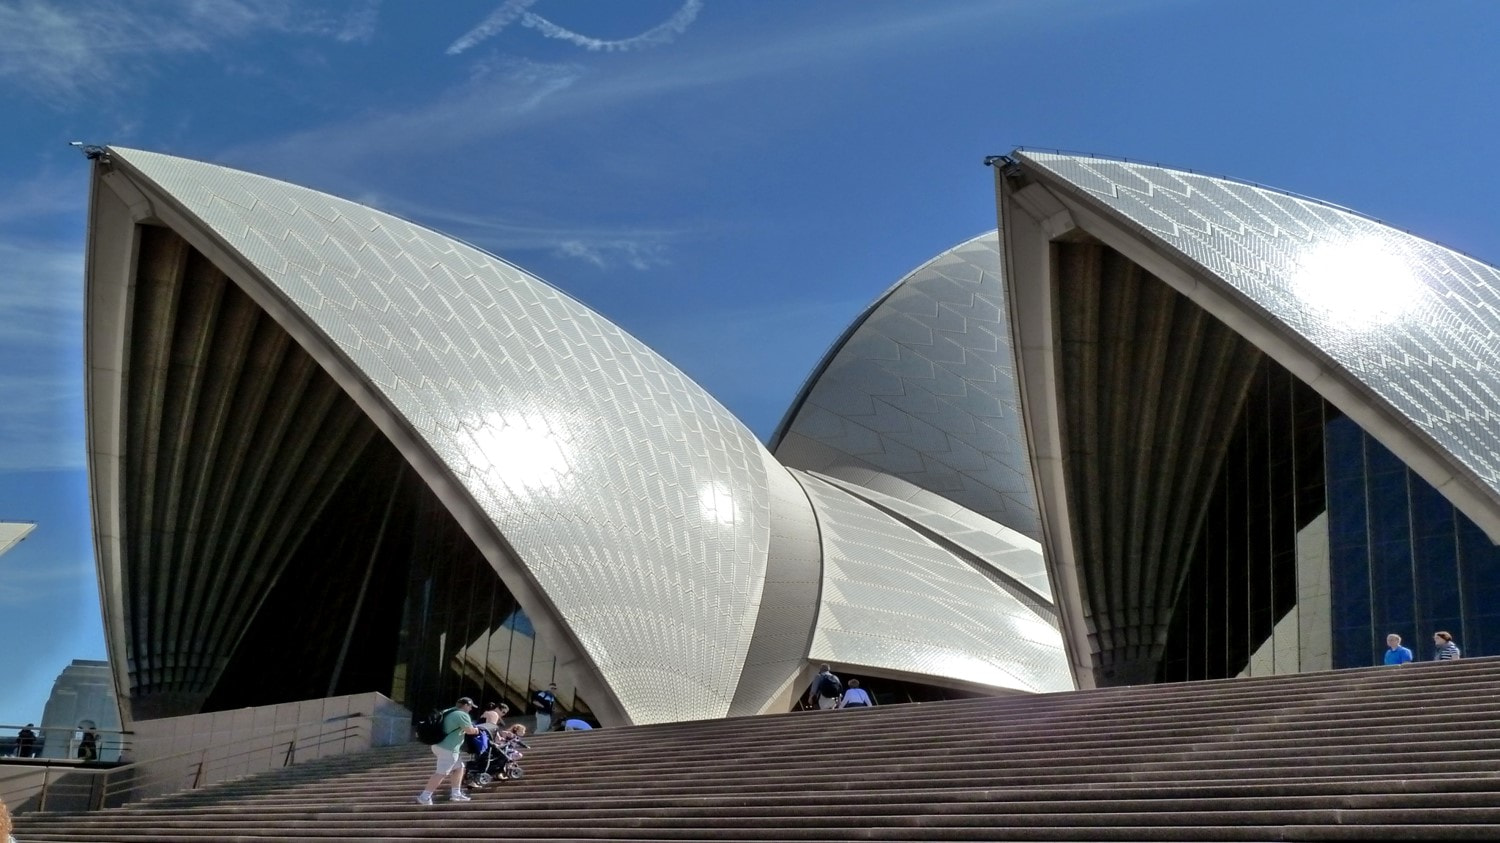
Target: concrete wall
[(229, 744)]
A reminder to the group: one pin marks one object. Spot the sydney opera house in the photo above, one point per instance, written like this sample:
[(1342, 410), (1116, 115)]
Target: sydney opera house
[(1158, 426)]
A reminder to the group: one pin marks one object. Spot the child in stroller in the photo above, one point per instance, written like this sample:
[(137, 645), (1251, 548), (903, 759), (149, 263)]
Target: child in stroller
[(496, 757)]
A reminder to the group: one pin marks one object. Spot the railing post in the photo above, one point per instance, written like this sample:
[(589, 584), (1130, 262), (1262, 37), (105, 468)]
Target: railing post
[(96, 791), (41, 798), (291, 752)]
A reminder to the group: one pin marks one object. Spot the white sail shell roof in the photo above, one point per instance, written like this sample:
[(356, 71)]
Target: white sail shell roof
[(896, 601), (922, 389), (637, 505), (12, 533), (1400, 332)]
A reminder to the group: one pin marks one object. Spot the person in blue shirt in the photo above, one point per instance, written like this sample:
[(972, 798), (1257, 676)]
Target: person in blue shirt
[(573, 724), (1395, 653)]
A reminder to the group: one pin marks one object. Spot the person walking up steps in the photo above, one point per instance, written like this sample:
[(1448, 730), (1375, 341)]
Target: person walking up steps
[(855, 696), (825, 688), (450, 763), (543, 704)]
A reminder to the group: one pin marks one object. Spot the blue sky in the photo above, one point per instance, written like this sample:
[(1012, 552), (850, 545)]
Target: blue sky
[(730, 180)]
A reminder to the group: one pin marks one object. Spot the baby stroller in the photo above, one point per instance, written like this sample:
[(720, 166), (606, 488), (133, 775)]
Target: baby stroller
[(496, 756)]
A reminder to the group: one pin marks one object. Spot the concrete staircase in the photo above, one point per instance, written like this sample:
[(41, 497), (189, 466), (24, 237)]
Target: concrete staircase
[(1409, 753)]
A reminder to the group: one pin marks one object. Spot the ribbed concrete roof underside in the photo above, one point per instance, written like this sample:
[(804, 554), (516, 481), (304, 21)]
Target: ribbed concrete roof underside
[(1151, 386), (234, 441)]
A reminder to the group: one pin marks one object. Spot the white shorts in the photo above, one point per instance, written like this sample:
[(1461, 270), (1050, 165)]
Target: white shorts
[(448, 760)]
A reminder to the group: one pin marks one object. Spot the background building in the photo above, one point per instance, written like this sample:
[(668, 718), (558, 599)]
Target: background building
[(84, 694)]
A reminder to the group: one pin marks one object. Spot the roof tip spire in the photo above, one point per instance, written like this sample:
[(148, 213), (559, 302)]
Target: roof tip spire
[(91, 151)]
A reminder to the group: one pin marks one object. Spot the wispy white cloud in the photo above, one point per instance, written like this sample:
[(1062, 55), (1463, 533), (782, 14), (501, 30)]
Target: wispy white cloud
[(492, 25), (41, 421), (519, 10), (603, 246), (507, 96), (21, 585), (41, 290), (503, 95), (46, 194), (663, 33), (41, 378), (359, 25), (605, 253), (58, 49)]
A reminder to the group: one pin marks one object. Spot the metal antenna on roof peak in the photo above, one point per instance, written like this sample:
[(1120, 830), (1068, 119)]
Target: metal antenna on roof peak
[(1006, 165), (91, 151)]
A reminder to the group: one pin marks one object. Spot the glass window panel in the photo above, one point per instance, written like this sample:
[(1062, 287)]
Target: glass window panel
[(1352, 647), (1431, 514), (1482, 635), (1343, 449), (1380, 461), (1479, 567), (1389, 517), (1394, 602), (1436, 569), (1346, 513), (1349, 577)]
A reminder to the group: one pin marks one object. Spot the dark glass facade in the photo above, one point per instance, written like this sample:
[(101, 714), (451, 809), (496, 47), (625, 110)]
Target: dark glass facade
[(389, 595), (1400, 558), (1243, 571)]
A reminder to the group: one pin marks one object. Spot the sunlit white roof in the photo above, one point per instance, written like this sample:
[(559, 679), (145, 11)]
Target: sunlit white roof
[(668, 560), (1397, 330), (12, 532), (922, 389)]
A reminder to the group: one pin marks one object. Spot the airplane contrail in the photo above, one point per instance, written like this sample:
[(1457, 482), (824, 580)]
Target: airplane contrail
[(513, 10)]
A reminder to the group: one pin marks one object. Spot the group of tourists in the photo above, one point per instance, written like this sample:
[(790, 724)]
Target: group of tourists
[(828, 691), (463, 734), (1444, 649)]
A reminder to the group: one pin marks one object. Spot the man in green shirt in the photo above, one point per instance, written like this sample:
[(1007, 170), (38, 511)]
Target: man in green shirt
[(450, 763)]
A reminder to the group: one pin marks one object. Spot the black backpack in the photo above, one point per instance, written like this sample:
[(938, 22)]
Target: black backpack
[(830, 686), (430, 728)]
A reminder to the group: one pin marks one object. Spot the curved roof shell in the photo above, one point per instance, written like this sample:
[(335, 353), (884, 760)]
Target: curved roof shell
[(625, 507), (12, 532), (1397, 332), (900, 598), (1368, 311), (674, 567), (921, 389)]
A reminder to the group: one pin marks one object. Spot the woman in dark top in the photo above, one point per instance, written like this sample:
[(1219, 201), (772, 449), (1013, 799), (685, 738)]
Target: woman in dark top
[(88, 747), (1447, 651)]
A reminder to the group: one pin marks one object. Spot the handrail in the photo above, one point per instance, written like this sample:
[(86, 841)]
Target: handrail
[(105, 787), (109, 740)]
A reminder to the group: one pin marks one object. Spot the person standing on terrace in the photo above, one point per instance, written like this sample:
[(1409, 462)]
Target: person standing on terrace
[(1447, 651), (1395, 653)]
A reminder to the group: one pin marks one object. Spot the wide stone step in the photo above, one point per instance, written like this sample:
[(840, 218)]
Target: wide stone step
[(1370, 754)]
